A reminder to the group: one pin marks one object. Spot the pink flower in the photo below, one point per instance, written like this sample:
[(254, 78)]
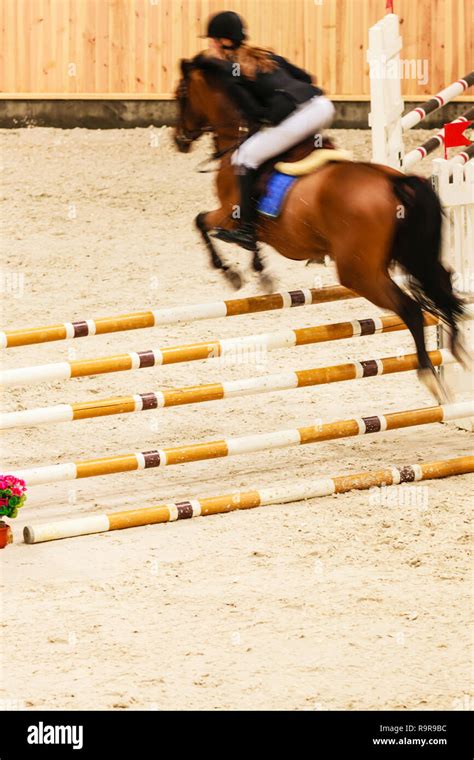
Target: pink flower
[(16, 485)]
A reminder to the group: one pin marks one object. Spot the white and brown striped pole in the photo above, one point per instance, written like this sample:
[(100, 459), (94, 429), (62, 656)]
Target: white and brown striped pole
[(23, 376), (279, 493), (197, 452), (196, 394), (154, 318), (201, 351), (419, 153), (463, 156), (412, 118)]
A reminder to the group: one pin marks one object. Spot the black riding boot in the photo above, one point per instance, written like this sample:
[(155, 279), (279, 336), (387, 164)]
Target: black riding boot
[(244, 235)]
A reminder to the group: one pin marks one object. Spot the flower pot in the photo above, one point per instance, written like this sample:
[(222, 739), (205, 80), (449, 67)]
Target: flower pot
[(6, 536)]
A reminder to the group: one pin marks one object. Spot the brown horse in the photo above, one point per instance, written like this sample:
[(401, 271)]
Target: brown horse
[(367, 217)]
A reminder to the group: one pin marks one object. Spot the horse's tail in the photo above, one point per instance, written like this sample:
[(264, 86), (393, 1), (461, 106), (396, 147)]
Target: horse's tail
[(417, 247)]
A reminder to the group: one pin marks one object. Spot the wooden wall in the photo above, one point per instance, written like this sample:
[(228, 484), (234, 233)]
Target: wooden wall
[(130, 48)]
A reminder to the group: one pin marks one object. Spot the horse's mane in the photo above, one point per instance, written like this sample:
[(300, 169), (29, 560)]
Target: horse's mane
[(207, 65), (214, 76)]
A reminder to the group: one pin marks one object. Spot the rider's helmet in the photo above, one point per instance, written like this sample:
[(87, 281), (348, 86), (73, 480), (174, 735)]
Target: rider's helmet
[(228, 25)]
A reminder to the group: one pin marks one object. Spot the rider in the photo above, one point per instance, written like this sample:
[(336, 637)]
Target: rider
[(269, 90)]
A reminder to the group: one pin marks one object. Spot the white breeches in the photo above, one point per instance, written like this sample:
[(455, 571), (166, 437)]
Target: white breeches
[(308, 119)]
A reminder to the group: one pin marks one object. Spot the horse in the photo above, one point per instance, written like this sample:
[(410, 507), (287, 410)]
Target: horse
[(366, 217)]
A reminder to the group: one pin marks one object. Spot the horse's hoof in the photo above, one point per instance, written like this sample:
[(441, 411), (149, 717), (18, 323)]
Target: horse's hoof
[(233, 277), (432, 382), (268, 282)]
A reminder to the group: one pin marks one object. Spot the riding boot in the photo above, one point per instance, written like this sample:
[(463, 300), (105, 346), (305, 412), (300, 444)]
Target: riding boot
[(245, 234)]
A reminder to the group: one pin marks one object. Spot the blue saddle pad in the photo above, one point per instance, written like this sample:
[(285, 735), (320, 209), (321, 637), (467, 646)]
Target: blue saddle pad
[(271, 202)]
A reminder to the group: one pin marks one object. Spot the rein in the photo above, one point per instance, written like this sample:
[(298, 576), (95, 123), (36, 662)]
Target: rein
[(217, 154)]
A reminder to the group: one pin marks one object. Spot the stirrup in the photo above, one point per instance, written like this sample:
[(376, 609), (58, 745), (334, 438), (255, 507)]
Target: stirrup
[(245, 238)]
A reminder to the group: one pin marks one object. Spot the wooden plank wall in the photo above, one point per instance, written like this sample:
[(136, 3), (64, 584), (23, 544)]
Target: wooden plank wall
[(130, 48)]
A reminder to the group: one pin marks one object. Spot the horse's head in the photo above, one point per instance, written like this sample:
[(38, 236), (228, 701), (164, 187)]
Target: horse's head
[(192, 120)]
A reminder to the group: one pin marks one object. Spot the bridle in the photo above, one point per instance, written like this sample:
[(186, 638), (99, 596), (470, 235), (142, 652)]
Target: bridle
[(186, 137)]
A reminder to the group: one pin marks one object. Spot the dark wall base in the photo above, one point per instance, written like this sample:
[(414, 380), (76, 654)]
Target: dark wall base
[(115, 114)]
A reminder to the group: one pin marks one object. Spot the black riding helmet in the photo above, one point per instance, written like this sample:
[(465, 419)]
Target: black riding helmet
[(228, 25)]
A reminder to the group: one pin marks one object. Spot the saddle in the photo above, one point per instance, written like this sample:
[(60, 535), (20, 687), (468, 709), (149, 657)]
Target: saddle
[(277, 175), (302, 159)]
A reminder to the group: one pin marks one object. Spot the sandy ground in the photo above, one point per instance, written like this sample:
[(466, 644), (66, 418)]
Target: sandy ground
[(335, 603)]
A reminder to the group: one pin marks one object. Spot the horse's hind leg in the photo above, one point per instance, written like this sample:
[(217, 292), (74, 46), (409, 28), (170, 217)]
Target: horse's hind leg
[(382, 291), (204, 223), (411, 313)]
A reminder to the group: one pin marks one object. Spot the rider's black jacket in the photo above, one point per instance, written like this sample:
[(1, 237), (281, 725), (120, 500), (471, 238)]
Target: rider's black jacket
[(270, 97)]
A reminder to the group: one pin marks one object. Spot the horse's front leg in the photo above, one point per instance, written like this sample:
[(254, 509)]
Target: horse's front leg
[(267, 280), (205, 222)]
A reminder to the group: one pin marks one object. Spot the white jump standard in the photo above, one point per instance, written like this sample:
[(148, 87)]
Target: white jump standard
[(386, 103)]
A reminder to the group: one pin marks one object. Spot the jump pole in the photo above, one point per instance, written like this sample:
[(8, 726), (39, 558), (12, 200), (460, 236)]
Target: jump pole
[(154, 318), (279, 493), (203, 351), (202, 451), (463, 156), (412, 118), (196, 394), (419, 153)]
